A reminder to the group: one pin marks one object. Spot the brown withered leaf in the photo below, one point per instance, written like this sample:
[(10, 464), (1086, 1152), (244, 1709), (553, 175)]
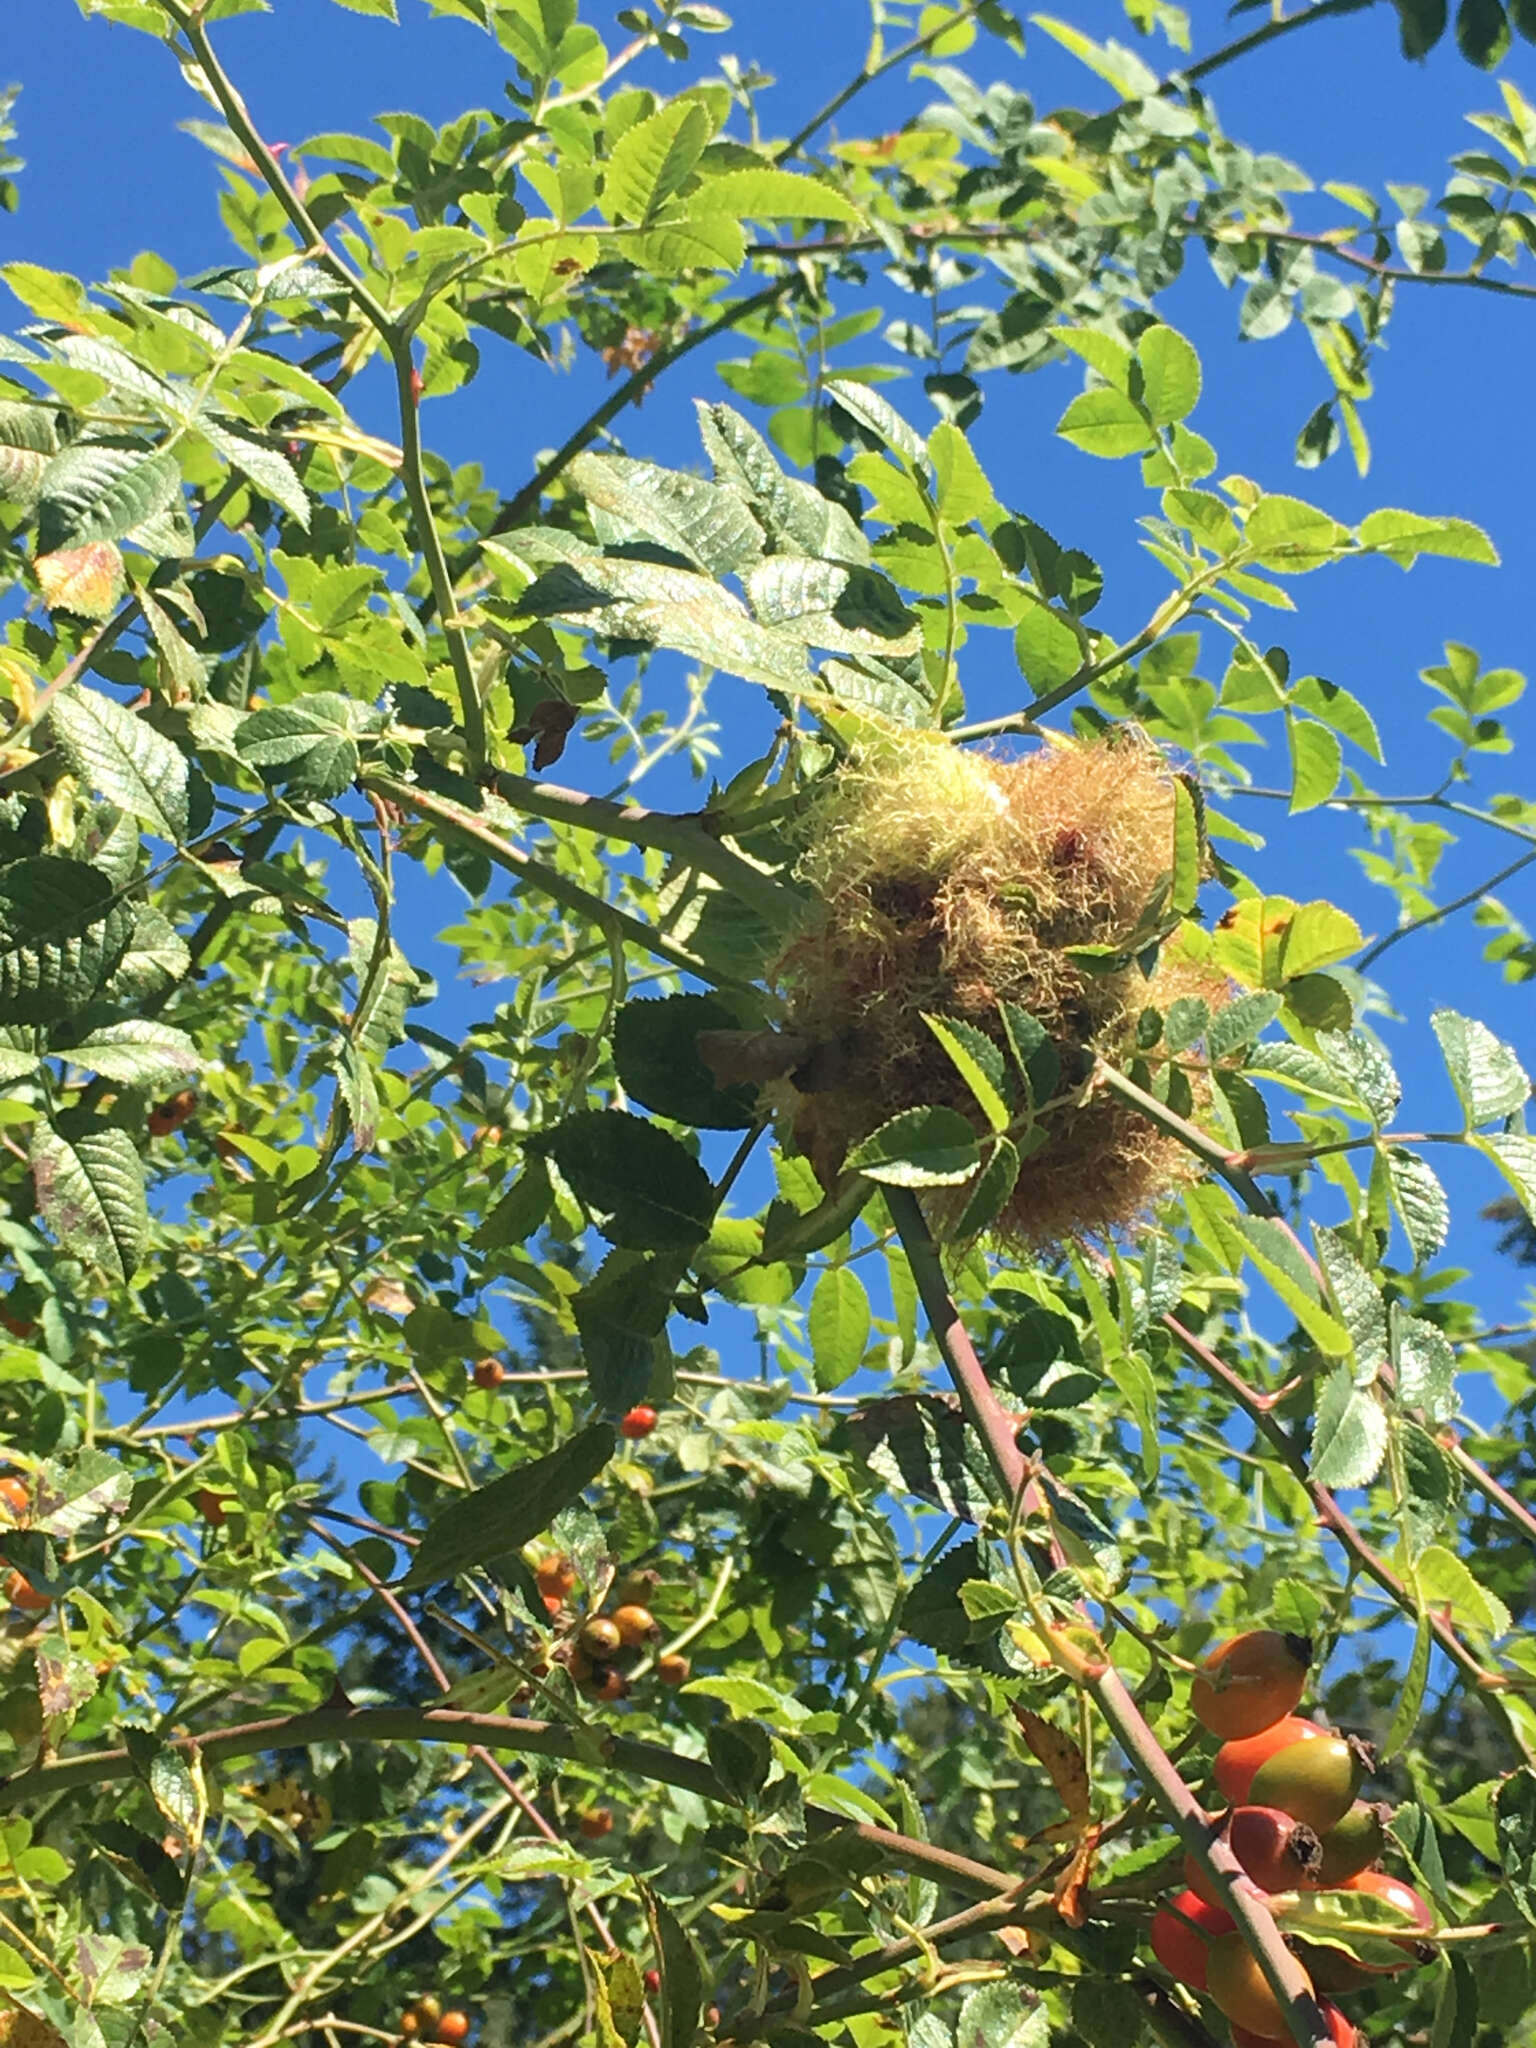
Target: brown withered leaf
[(1062, 1758), (548, 726), (1072, 1885), (390, 1297), (22, 2029), (753, 1056)]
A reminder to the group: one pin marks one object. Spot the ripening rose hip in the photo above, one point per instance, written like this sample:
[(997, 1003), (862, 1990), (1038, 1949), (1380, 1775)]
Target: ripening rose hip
[(1237, 1761), (1315, 1781), (1341, 2031), (1182, 1948), (1252, 1682), (639, 1422), (1277, 1853), (600, 1638), (1352, 1844), (1239, 1987), (636, 1625)]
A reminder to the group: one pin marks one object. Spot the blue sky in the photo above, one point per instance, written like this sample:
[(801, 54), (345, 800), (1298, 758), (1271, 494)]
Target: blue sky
[(1453, 430)]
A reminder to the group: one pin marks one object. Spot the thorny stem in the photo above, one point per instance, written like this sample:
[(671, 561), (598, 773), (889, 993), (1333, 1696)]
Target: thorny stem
[(985, 1413), (1099, 1679)]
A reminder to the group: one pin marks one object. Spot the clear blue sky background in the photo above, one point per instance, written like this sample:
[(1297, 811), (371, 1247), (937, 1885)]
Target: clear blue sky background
[(1452, 425)]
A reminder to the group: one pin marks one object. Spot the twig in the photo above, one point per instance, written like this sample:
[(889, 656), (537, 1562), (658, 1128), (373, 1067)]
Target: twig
[(1444, 910), (1390, 273), (1485, 1483), (1097, 1676), (687, 835), (550, 882), (1214, 1154), (1281, 25), (395, 338), (868, 75)]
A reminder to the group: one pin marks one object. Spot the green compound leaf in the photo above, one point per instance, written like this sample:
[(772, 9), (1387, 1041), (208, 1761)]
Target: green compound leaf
[(495, 1521), (1170, 375), (1108, 424), (1445, 1581), (880, 418), (1316, 759), (1489, 1081), (921, 1148), (620, 1316), (1514, 1819), (102, 490), (1349, 1436), (90, 1192), (681, 1997), (768, 194), (838, 1326), (1403, 536), (990, 1194), (1290, 537), (979, 1064), (62, 934), (123, 759), (308, 746), (1420, 1202), (649, 1192), (711, 526), (652, 160), (656, 1055), (137, 1053)]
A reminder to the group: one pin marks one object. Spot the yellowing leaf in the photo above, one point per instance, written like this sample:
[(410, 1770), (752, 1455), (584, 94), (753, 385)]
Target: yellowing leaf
[(87, 580), (1266, 941)]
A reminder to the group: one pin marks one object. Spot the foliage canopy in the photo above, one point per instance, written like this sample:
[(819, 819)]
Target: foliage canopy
[(953, 1064)]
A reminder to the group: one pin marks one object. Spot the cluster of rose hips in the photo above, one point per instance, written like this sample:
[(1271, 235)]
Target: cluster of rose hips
[(606, 1641), (425, 2020), (1295, 1823)]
